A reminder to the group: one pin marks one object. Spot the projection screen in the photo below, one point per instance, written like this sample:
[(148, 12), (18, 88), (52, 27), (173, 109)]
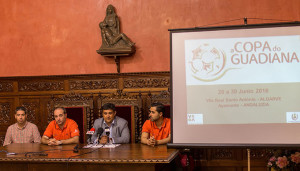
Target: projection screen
[(236, 85)]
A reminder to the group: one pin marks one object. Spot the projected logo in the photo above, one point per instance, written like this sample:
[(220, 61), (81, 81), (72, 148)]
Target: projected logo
[(207, 63), (292, 117)]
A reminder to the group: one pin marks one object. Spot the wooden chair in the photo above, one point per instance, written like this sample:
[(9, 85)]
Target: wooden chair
[(78, 107)]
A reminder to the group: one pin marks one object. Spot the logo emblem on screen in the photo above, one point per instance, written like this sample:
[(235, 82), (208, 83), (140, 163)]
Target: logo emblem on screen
[(294, 116), (207, 63)]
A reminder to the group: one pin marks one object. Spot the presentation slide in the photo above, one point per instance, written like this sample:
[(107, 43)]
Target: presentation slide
[(238, 85)]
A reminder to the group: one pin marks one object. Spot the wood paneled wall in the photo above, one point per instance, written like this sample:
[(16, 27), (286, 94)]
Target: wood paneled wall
[(38, 93)]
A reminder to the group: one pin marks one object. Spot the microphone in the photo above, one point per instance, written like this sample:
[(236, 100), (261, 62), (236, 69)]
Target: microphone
[(75, 150), (107, 132), (90, 133), (99, 133)]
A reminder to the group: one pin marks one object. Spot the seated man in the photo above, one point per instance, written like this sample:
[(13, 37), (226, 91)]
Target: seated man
[(62, 130), (118, 127), (22, 131), (156, 130)]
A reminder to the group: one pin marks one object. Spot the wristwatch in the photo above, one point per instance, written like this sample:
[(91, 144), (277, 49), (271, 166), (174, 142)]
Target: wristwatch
[(59, 142)]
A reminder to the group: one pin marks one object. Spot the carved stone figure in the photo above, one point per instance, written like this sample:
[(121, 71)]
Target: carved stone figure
[(113, 42)]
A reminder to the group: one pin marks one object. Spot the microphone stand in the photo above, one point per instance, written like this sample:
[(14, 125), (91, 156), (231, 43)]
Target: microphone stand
[(89, 141), (108, 139)]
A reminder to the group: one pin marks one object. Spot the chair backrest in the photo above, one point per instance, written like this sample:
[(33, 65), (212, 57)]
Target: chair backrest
[(78, 107)]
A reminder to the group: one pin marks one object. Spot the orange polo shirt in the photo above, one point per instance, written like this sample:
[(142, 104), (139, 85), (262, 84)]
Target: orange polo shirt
[(70, 130), (158, 134)]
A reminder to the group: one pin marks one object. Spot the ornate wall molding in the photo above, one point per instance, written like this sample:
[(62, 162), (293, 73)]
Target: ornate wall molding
[(41, 86), (163, 97), (32, 111), (147, 82), (5, 110), (222, 154), (71, 99), (120, 98), (258, 154), (93, 84), (6, 86)]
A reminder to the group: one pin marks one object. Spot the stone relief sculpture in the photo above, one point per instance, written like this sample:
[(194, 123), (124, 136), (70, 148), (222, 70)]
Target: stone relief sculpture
[(114, 43)]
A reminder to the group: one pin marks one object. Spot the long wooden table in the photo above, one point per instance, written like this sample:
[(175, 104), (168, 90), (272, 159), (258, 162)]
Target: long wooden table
[(56, 158)]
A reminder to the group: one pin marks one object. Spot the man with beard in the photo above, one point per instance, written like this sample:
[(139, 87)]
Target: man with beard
[(156, 130), (22, 131), (62, 130)]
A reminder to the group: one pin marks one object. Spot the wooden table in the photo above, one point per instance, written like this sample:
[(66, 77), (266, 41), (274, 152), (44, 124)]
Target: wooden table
[(123, 157)]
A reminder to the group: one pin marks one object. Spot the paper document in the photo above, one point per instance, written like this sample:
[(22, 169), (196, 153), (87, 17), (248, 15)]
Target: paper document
[(101, 146)]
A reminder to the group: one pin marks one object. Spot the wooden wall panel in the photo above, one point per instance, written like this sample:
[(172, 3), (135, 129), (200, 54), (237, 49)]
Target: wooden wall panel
[(40, 94), (6, 116), (33, 107), (6, 111)]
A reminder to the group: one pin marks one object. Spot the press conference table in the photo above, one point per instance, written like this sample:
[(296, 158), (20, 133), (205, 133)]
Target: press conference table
[(56, 158)]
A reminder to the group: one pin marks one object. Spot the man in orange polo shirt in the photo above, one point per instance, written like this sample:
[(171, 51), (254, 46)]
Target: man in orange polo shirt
[(156, 130), (62, 130)]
